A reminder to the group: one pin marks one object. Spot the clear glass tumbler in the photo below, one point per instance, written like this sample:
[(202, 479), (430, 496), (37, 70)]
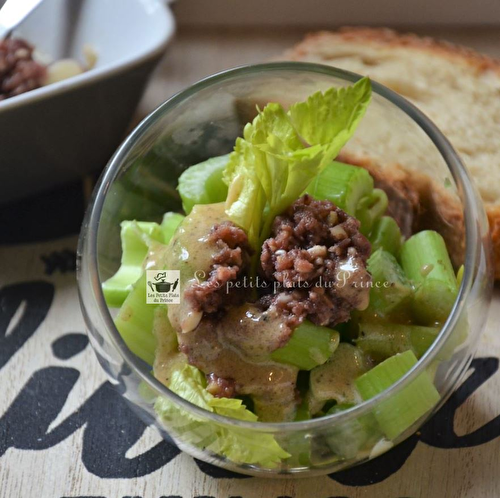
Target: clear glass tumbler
[(204, 121)]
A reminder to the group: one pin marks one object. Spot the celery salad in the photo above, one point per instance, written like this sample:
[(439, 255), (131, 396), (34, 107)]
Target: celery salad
[(299, 295)]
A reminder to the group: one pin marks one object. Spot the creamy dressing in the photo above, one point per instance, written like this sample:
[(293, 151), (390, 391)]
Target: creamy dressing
[(353, 280), (235, 345), (226, 348), (191, 252), (167, 355)]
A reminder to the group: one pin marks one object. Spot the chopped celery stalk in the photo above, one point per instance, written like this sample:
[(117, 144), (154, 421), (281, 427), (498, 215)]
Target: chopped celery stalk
[(136, 236), (351, 188), (422, 338), (302, 412), (370, 209), (426, 262), (386, 235), (335, 379), (424, 257), (300, 448), (202, 183), (350, 436), (135, 322), (321, 453), (342, 184), (169, 225), (433, 302), (378, 204), (166, 337), (309, 346), (381, 339), (390, 290), (402, 409), (270, 410), (339, 408)]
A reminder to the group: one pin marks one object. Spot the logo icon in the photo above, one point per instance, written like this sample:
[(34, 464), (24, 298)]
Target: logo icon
[(163, 287)]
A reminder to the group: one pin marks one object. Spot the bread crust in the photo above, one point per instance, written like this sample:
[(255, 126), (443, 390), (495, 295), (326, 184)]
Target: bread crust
[(386, 37), (389, 37), (493, 213)]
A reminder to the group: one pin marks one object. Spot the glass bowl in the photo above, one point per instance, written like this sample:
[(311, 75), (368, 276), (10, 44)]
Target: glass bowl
[(204, 121)]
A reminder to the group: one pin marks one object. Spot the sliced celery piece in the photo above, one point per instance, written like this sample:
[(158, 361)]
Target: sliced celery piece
[(390, 288), (386, 235), (402, 409), (422, 338), (299, 448), (302, 412), (302, 386), (426, 262), (342, 184), (135, 322), (337, 408), (351, 189), (309, 346), (370, 209), (169, 225), (165, 334), (381, 339), (202, 183), (334, 380), (136, 237), (349, 437), (433, 302)]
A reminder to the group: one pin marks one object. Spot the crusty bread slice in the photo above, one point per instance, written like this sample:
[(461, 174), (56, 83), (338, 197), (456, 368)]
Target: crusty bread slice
[(459, 89)]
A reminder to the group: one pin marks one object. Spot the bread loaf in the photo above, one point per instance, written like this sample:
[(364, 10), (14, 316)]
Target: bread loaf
[(459, 89)]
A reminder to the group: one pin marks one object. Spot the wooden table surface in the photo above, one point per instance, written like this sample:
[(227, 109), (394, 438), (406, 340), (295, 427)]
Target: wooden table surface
[(64, 432)]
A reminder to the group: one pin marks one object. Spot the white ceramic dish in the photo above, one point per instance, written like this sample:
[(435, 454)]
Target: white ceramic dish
[(62, 131)]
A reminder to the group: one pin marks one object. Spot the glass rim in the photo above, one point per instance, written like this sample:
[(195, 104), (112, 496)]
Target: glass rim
[(88, 242)]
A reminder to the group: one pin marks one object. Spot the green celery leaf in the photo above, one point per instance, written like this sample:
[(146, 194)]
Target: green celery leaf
[(135, 322), (136, 237), (237, 444), (280, 153), (169, 225), (202, 183), (245, 199), (330, 118)]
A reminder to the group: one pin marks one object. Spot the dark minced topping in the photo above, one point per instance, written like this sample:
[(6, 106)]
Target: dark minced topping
[(310, 245), (211, 295), (19, 73), (220, 387)]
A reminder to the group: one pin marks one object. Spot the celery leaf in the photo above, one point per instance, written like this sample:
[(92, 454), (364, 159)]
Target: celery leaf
[(238, 444), (281, 152)]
